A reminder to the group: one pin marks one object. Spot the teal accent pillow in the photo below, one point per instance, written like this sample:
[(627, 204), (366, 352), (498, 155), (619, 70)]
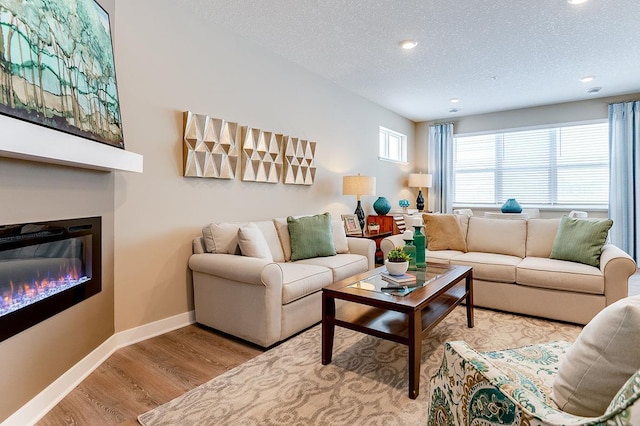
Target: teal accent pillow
[(580, 240), (311, 236)]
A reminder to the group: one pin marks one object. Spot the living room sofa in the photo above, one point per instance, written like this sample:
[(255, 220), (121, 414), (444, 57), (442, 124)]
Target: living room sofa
[(263, 296), (513, 271)]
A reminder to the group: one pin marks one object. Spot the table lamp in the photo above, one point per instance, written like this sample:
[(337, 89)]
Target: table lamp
[(359, 186), (419, 180)]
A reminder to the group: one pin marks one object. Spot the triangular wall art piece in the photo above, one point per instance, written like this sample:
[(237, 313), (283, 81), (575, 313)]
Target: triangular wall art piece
[(210, 148), (261, 155)]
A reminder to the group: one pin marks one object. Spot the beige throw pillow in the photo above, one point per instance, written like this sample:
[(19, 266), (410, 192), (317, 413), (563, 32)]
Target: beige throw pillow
[(443, 232), (339, 237), (605, 355), (252, 243), (221, 237)]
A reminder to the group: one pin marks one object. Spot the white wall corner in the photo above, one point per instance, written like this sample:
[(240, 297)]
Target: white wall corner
[(41, 404)]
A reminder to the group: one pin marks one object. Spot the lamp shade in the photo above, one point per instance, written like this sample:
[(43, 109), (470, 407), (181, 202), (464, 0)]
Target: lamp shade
[(420, 180), (358, 185)]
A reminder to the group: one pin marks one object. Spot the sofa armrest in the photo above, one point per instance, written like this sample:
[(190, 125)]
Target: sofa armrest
[(230, 266), (391, 242), (616, 266), (364, 247)]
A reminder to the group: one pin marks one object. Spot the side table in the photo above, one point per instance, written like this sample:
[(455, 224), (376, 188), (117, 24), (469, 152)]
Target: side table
[(376, 237)]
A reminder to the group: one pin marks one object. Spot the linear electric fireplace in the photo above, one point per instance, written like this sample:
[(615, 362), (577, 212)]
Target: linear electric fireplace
[(45, 268)]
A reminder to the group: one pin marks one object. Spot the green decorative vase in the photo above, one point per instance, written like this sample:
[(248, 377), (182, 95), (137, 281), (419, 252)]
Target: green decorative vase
[(382, 206), (420, 241), (410, 249)]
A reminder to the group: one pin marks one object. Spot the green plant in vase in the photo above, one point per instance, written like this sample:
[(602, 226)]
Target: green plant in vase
[(397, 261), (398, 255)]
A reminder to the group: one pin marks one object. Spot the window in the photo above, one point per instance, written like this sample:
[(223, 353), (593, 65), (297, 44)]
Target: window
[(552, 166), (393, 146)]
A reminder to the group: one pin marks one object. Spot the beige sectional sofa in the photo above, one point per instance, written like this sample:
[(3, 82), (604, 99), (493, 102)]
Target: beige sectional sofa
[(266, 298), (513, 271)]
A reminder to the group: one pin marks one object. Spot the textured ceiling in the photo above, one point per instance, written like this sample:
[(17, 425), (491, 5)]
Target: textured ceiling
[(492, 54)]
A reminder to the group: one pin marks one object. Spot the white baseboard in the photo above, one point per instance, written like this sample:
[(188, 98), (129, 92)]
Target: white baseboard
[(42, 403)]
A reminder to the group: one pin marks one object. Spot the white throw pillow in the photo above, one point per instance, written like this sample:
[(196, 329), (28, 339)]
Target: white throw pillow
[(339, 237), (252, 243), (221, 237), (604, 356)]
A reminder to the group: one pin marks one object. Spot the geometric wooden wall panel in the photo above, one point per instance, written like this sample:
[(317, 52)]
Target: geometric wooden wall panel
[(299, 165), (210, 146), (261, 156)]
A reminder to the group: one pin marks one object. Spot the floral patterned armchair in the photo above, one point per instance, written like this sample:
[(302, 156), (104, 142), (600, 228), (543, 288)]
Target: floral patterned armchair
[(513, 387)]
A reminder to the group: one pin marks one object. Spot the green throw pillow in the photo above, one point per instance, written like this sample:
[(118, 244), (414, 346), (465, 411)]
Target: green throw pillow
[(580, 240), (311, 236)]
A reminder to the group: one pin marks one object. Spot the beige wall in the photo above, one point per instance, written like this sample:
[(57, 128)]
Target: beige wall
[(31, 191), (169, 61)]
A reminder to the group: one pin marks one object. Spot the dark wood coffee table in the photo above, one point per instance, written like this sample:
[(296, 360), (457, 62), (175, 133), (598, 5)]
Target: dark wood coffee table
[(402, 319)]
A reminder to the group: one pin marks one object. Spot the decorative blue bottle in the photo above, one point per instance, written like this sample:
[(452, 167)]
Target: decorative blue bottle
[(382, 206)]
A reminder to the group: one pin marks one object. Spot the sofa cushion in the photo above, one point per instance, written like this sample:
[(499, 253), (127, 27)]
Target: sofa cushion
[(540, 236), (560, 275), (604, 356), (282, 229), (342, 265), (339, 237), (581, 240), (443, 232), (311, 236), (221, 237), (268, 229), (490, 266), (252, 243), (499, 236), (441, 256), (300, 280)]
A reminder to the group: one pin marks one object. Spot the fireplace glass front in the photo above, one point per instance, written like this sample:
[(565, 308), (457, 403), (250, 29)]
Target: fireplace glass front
[(45, 268)]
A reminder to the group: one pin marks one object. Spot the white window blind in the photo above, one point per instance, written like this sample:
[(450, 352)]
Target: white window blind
[(393, 145), (552, 166)]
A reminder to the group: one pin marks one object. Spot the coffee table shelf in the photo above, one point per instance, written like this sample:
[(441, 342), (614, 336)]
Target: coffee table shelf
[(401, 319), (394, 325)]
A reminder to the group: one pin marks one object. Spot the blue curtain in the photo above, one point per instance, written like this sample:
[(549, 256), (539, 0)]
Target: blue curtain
[(440, 157), (624, 171)]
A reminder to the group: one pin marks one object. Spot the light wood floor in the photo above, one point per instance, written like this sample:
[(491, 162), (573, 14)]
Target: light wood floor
[(145, 375), (140, 377)]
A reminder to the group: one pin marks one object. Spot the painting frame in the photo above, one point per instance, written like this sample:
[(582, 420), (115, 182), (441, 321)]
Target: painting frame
[(64, 76), (351, 224)]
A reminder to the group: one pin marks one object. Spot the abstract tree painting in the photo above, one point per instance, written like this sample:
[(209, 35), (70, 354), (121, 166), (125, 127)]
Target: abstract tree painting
[(57, 67)]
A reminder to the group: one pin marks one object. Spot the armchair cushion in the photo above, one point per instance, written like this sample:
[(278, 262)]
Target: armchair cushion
[(605, 355), (580, 240), (311, 236), (252, 243)]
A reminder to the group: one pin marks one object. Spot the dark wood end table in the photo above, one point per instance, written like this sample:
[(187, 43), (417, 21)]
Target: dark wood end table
[(401, 319)]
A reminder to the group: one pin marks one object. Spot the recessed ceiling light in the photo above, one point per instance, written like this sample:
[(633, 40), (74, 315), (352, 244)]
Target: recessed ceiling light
[(587, 78), (454, 100), (576, 1), (594, 90), (408, 44)]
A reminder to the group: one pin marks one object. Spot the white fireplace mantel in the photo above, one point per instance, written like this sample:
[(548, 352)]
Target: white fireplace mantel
[(26, 141)]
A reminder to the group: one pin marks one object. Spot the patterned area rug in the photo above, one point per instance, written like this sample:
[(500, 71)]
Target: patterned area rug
[(366, 383)]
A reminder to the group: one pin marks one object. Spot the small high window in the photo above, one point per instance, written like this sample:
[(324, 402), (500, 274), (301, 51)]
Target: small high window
[(393, 146)]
